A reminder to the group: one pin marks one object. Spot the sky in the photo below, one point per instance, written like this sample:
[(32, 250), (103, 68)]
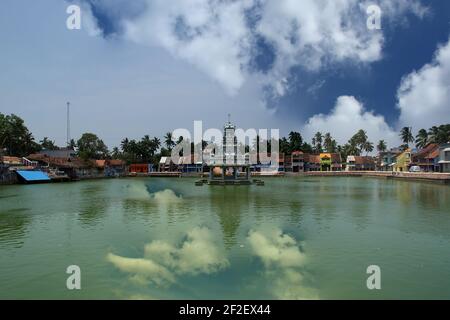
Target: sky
[(152, 66)]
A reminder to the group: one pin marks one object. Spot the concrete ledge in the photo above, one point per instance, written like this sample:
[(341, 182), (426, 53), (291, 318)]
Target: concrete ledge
[(427, 176)]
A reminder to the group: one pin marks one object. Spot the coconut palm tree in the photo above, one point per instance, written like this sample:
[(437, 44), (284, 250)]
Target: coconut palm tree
[(168, 141), (381, 146), (318, 141), (368, 147), (406, 135), (421, 139)]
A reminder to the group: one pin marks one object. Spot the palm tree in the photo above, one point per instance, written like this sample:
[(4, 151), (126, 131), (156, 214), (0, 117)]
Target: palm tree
[(168, 141), (439, 134), (115, 154), (318, 139), (368, 147), (406, 135), (422, 139), (381, 146)]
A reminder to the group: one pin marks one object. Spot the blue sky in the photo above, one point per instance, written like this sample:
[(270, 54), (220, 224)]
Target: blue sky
[(151, 66)]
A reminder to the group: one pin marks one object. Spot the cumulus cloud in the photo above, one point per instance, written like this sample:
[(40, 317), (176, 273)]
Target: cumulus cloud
[(346, 118), (424, 95), (139, 191), (222, 38), (163, 261), (283, 262)]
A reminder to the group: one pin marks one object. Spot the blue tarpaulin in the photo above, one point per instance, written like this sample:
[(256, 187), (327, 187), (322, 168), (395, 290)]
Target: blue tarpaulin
[(31, 176)]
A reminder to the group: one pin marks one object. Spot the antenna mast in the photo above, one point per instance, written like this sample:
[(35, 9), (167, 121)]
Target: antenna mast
[(68, 124)]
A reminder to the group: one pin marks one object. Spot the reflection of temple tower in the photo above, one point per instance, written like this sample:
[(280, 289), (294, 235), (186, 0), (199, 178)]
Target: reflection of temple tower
[(230, 204), (228, 165)]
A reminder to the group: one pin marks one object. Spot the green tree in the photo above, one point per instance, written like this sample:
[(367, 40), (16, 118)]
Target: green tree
[(329, 143), (295, 141), (15, 138), (421, 138), (116, 154), (406, 135), (381, 146), (285, 146), (439, 134), (48, 144), (168, 141), (357, 143), (91, 147), (368, 147), (317, 142), (72, 144)]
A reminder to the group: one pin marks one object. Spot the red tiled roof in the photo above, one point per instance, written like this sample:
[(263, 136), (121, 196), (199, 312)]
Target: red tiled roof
[(364, 160), (312, 158), (100, 163), (115, 162), (433, 155), (11, 160), (424, 153), (61, 162), (336, 157)]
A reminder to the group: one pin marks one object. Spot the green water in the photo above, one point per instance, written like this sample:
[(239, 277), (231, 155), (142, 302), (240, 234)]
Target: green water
[(168, 239)]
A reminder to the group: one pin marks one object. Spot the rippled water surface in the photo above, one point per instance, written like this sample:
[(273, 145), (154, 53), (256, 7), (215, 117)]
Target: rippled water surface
[(293, 238)]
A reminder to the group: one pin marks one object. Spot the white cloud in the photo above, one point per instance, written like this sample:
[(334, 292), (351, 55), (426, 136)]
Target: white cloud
[(346, 118), (217, 38), (283, 263), (424, 95), (212, 35), (162, 261)]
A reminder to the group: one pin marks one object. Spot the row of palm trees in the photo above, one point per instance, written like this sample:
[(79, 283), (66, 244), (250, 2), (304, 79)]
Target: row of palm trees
[(147, 148), (436, 134)]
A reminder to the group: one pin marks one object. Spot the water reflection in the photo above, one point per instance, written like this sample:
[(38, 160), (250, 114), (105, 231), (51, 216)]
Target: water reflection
[(94, 203), (139, 202), (229, 203), (283, 264), (164, 263), (14, 226)]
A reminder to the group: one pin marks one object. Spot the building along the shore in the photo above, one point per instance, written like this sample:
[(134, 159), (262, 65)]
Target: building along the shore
[(192, 164), (360, 163), (167, 165), (312, 162), (115, 168), (139, 168), (387, 159), (403, 161), (297, 161), (330, 162), (444, 158), (427, 158)]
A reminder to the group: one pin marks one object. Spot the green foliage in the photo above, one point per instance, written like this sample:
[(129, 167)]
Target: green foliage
[(91, 147), (406, 135), (143, 151), (48, 144), (15, 138), (439, 134), (168, 141), (329, 144), (381, 146)]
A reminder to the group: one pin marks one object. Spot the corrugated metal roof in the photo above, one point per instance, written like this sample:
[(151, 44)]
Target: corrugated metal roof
[(33, 175)]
